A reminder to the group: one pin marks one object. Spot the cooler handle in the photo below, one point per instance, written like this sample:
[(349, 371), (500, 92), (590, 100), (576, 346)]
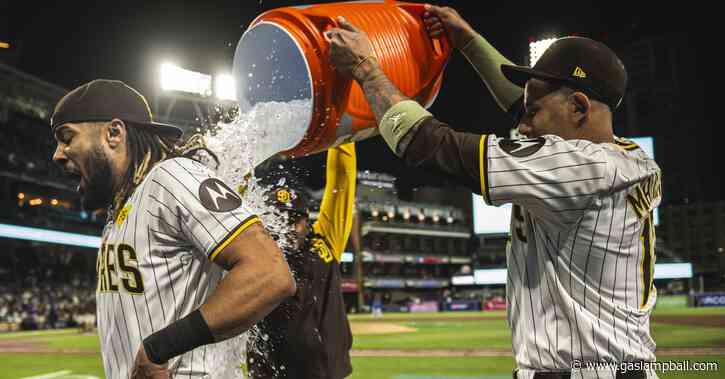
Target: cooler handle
[(441, 46)]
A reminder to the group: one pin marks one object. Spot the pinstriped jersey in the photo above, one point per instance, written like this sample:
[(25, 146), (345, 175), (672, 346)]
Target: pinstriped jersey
[(155, 264), (581, 256)]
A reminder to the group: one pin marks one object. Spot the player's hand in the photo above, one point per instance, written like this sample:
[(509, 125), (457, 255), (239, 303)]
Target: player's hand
[(444, 20), (143, 368), (350, 50)]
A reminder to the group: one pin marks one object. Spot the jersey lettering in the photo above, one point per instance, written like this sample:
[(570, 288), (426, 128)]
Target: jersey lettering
[(114, 264), (643, 194)]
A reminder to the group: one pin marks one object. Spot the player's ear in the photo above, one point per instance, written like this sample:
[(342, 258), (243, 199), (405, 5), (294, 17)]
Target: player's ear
[(579, 107), (115, 133)]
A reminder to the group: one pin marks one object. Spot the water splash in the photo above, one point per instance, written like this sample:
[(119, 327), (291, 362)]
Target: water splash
[(241, 145)]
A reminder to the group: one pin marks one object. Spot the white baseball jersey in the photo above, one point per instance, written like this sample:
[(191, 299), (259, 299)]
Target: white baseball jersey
[(155, 265), (581, 257)]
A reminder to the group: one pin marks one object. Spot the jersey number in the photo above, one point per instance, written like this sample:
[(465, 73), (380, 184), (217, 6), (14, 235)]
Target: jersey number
[(648, 258), (116, 263)]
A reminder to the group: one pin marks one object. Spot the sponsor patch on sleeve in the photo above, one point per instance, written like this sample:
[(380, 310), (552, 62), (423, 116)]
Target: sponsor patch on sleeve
[(217, 196), (521, 147)]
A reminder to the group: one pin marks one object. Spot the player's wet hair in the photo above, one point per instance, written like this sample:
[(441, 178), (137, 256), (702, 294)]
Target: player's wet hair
[(145, 149)]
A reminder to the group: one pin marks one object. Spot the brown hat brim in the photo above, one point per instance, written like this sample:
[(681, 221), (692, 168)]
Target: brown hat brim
[(166, 130), (519, 75)]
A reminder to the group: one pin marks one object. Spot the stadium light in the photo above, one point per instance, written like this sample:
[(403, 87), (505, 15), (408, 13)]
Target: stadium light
[(537, 48), (50, 236), (175, 78), (224, 87)]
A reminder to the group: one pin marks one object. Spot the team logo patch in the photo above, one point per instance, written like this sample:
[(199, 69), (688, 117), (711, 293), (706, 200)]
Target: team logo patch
[(217, 197), (283, 196), (521, 147)]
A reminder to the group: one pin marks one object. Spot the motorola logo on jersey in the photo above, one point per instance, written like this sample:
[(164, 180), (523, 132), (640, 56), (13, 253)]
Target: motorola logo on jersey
[(521, 147), (217, 196)]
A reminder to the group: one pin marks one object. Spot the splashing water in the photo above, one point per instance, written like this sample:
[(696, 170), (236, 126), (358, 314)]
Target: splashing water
[(265, 130)]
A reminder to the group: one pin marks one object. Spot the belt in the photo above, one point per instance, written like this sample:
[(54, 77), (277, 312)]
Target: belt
[(637, 374)]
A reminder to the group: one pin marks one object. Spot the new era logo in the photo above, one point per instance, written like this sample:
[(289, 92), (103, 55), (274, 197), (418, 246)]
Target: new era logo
[(579, 73)]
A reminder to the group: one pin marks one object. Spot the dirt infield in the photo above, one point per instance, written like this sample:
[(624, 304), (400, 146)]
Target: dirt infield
[(362, 328), (38, 347)]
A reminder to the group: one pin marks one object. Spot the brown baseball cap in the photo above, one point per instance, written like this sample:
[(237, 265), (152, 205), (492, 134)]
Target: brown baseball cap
[(581, 63), (104, 100)]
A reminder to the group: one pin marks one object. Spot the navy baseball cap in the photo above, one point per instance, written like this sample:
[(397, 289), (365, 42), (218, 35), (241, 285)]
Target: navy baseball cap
[(104, 100), (578, 62)]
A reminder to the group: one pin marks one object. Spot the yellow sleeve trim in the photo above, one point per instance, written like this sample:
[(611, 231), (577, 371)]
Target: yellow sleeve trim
[(233, 234), (483, 168)]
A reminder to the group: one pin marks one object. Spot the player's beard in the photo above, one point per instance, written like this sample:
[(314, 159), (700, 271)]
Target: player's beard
[(98, 192)]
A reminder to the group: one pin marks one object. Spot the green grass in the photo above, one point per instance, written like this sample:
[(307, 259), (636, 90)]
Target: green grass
[(448, 331), (449, 334), (669, 311), (14, 366), (670, 335), (472, 367), (482, 367), (84, 342)]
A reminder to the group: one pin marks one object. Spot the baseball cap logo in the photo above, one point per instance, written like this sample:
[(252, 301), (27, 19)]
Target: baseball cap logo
[(283, 196), (579, 73)]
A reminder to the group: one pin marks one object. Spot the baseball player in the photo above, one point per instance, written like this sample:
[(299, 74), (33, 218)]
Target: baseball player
[(172, 231), (308, 335), (581, 256)]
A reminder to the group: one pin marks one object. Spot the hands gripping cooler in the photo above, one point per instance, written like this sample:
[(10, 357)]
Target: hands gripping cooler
[(281, 64)]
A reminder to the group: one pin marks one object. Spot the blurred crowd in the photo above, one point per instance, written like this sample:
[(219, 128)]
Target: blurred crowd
[(46, 288), (47, 306)]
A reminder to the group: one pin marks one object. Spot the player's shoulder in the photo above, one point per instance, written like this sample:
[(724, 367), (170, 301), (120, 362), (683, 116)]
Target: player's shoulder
[(176, 168), (629, 158)]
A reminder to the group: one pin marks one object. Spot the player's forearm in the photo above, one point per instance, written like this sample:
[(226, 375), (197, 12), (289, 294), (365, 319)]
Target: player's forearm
[(250, 291), (487, 61), (379, 91), (258, 280), (434, 145)]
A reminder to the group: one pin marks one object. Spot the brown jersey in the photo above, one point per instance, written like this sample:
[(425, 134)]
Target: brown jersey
[(308, 335)]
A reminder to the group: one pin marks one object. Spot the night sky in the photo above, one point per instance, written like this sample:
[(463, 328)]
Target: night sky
[(72, 42)]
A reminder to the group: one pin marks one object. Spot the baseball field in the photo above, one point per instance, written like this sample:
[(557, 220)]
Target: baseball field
[(470, 345)]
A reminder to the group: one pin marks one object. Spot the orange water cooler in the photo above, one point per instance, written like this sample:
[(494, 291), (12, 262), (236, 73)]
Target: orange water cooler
[(283, 58)]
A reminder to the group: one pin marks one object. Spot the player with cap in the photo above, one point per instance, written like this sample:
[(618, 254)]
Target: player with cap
[(308, 335), (580, 263), (173, 229)]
